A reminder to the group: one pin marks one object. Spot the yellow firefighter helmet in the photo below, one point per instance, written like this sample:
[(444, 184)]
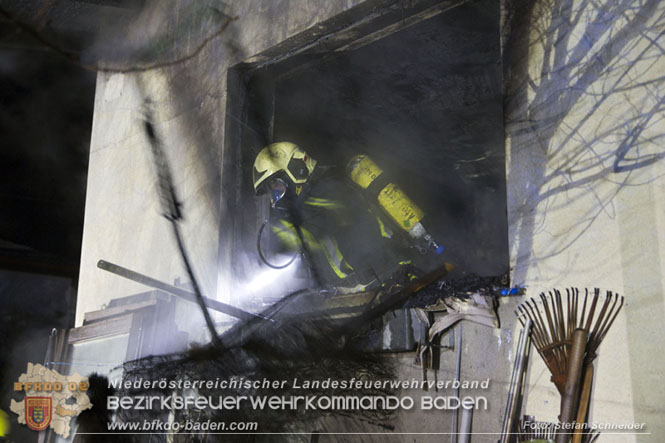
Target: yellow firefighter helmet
[(283, 159)]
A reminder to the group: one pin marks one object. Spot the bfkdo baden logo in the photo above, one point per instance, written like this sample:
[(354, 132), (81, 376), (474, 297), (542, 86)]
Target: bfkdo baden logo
[(38, 412), (51, 399)]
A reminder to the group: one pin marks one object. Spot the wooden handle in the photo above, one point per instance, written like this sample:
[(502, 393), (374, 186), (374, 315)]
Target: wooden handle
[(573, 376), (585, 398)]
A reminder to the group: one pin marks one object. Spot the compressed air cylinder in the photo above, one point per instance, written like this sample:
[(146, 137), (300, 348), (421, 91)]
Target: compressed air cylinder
[(401, 209)]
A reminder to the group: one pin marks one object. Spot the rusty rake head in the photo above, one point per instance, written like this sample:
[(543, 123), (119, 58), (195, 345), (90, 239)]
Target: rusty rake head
[(555, 318)]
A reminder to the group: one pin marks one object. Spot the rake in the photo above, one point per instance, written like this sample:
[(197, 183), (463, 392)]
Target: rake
[(554, 325), (567, 336)]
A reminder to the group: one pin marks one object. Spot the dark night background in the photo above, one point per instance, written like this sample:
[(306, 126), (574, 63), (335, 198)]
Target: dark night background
[(45, 122), (46, 105)]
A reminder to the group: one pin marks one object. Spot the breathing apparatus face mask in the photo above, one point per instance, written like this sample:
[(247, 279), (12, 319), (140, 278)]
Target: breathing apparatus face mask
[(276, 189)]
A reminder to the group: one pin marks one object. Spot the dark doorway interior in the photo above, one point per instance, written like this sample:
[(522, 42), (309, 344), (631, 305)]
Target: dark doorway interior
[(424, 102)]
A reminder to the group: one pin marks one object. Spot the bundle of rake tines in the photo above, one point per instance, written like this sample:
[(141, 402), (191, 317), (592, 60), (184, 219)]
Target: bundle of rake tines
[(567, 333), (554, 324)]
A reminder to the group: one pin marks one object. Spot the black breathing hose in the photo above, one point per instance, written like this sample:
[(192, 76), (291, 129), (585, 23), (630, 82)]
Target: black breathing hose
[(260, 251)]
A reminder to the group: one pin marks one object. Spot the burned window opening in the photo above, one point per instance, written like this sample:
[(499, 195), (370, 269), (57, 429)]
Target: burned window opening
[(423, 102)]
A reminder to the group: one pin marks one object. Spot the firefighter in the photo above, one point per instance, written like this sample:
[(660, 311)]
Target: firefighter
[(315, 210)]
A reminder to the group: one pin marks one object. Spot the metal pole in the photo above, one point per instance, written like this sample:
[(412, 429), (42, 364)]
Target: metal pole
[(465, 425), (153, 283), (458, 365), (515, 381)]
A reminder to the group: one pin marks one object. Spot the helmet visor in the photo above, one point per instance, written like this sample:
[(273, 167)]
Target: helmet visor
[(276, 189)]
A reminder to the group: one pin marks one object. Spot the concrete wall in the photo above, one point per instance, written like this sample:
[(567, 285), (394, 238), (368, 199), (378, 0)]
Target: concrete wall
[(584, 120)]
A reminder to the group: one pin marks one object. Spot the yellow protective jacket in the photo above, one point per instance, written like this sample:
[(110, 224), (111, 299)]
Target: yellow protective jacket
[(345, 242)]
